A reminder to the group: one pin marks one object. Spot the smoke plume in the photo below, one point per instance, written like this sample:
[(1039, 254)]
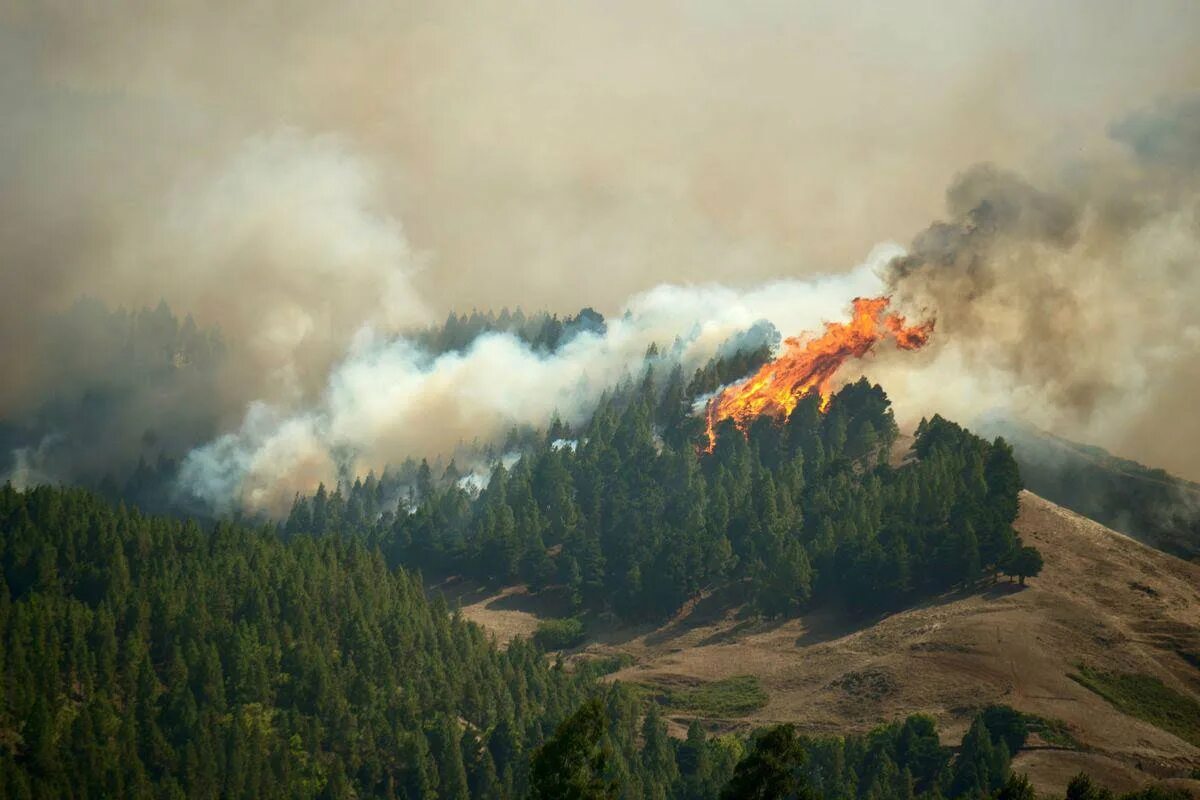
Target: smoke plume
[(1070, 300), (314, 179), (390, 399)]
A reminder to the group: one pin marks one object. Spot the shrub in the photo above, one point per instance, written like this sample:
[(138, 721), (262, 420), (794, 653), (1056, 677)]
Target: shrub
[(1146, 698), (559, 634), (730, 697)]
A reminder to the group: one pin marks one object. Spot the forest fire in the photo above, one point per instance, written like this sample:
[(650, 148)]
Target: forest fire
[(808, 365)]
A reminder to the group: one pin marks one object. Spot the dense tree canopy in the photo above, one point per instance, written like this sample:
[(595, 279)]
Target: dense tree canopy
[(141, 656), (573, 764), (789, 513), (540, 330), (144, 656)]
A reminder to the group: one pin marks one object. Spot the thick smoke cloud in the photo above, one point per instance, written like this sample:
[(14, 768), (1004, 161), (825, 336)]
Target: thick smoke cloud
[(390, 400), (542, 157), (288, 237), (292, 171), (1073, 300), (284, 240)]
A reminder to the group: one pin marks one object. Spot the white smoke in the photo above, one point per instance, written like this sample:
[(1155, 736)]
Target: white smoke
[(284, 240), (28, 468), (480, 475), (389, 400)]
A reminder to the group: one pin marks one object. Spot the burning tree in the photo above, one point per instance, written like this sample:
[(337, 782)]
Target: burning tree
[(810, 365)]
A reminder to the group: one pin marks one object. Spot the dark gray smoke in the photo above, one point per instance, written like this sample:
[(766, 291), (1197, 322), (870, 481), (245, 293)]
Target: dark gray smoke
[(1074, 299)]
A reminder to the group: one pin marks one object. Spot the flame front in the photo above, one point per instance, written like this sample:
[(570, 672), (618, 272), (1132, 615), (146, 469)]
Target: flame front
[(810, 365)]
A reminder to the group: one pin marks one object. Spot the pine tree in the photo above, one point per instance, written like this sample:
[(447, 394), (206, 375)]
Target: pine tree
[(659, 770), (572, 764), (772, 769)]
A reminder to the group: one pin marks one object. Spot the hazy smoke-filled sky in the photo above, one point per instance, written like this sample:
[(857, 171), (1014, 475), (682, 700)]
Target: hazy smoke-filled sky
[(292, 171)]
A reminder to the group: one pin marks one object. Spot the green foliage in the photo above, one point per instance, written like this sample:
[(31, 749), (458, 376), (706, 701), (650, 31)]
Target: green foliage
[(143, 656), (540, 330), (1053, 732), (982, 764), (1081, 787), (1017, 787), (705, 764), (559, 634), (573, 763), (630, 521), (730, 697), (1157, 792), (1013, 728), (772, 769), (1007, 725), (1022, 562), (1147, 698), (599, 666), (899, 761)]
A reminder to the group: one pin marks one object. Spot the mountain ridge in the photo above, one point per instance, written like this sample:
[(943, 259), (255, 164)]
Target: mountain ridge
[(1152, 505)]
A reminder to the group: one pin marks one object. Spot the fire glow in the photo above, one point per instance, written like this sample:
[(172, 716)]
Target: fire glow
[(807, 365)]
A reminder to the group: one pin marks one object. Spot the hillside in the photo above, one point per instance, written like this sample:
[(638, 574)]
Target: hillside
[(1149, 504), (1103, 600), (145, 657)]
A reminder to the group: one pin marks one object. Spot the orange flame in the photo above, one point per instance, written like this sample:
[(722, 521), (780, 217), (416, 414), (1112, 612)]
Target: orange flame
[(805, 366)]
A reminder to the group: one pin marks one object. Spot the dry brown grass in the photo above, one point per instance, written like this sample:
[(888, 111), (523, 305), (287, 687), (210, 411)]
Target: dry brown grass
[(506, 613), (1103, 599)]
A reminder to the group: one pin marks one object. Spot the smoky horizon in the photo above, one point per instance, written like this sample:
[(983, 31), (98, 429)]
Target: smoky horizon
[(324, 185)]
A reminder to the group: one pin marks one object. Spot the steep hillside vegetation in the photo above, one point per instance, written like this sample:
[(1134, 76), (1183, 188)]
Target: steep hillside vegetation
[(140, 656), (632, 517), (143, 657)]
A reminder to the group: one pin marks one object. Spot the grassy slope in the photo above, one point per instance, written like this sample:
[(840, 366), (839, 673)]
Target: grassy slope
[(1147, 698), (737, 696), (1104, 599)]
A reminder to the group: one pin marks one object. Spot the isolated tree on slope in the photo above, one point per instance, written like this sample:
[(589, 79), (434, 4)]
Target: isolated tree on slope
[(1023, 562)]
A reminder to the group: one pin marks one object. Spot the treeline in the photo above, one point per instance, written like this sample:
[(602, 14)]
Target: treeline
[(116, 397), (629, 519), (540, 330), (107, 388), (144, 657), (898, 761)]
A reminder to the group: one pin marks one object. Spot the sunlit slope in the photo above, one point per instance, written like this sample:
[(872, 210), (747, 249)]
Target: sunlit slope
[(1103, 601)]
